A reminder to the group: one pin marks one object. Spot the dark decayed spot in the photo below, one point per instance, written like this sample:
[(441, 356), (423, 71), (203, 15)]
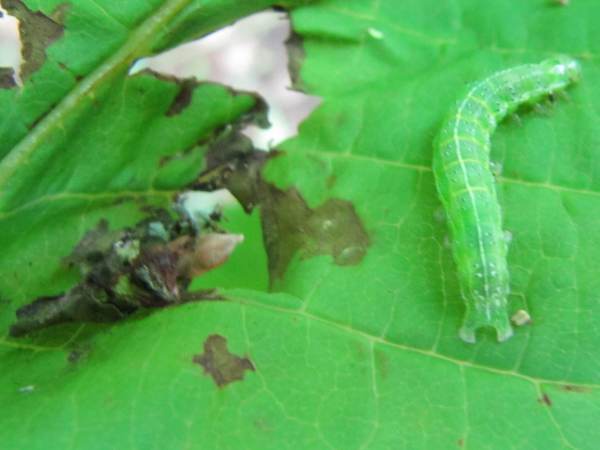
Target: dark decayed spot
[(573, 388), (78, 354), (183, 97), (545, 400), (233, 163), (461, 442), (222, 366), (289, 225), (66, 68), (37, 31), (7, 79)]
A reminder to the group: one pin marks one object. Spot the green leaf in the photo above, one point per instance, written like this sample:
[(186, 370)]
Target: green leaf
[(346, 353), (82, 141)]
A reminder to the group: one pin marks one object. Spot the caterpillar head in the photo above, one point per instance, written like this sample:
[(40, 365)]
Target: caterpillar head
[(564, 66)]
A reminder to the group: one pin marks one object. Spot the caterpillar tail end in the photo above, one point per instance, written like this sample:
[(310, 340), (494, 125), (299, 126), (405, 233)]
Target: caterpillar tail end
[(474, 320)]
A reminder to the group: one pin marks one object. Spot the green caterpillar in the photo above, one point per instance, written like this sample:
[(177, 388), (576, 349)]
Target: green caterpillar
[(465, 184)]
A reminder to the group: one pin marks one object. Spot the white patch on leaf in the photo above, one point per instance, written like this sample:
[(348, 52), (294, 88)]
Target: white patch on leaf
[(198, 206), (520, 318), (375, 33)]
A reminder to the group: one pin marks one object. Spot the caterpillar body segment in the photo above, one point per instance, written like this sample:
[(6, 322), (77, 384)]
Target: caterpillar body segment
[(465, 184)]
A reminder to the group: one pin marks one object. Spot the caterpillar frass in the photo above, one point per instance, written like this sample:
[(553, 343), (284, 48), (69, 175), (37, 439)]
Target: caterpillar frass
[(465, 184)]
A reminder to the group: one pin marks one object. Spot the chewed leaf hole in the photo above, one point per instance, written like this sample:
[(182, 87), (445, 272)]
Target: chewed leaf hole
[(10, 51), (35, 32), (249, 55)]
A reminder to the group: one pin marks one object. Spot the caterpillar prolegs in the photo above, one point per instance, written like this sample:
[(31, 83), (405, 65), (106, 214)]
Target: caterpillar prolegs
[(466, 187)]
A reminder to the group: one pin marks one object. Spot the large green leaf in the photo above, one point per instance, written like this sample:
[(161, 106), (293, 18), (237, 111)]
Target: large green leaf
[(347, 352)]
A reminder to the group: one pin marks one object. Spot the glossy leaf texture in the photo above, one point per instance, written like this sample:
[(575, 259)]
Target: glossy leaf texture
[(355, 346)]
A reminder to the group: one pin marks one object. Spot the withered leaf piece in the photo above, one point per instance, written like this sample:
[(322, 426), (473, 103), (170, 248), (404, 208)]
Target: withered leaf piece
[(146, 266)]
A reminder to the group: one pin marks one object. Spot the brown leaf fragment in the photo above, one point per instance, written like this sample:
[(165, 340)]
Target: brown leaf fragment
[(223, 366), (233, 163), (149, 265), (81, 303)]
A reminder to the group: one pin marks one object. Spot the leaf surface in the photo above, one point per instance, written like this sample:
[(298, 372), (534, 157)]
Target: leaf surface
[(348, 354)]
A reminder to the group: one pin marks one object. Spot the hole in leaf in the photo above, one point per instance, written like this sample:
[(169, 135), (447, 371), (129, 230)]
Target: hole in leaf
[(249, 55), (10, 51), (37, 31)]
